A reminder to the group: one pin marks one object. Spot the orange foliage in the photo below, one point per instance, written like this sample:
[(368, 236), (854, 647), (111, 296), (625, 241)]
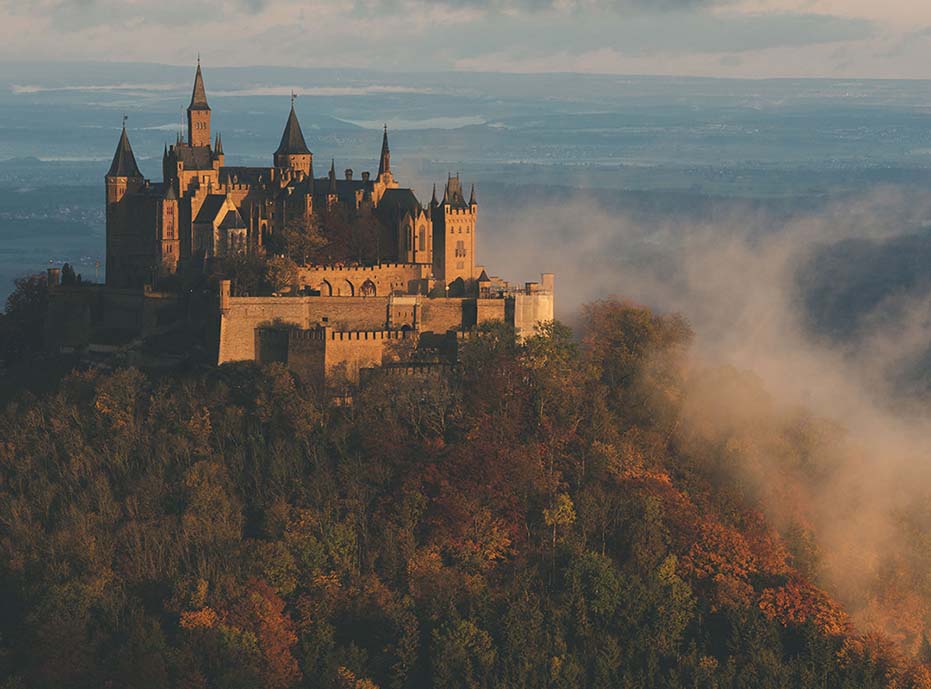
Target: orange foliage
[(719, 551), (205, 618), (348, 680), (262, 611), (799, 602)]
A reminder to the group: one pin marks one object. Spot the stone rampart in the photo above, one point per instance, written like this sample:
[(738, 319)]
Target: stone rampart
[(369, 281)]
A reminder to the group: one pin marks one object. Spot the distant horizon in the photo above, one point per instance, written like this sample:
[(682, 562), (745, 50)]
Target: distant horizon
[(207, 65)]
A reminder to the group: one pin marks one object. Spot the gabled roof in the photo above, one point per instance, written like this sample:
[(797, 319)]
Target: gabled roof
[(193, 157), (211, 208), (199, 95), (244, 175), (401, 199), (232, 221), (124, 162), (292, 139)]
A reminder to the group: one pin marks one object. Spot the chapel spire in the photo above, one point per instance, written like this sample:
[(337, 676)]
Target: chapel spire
[(198, 112), (199, 94), (384, 163)]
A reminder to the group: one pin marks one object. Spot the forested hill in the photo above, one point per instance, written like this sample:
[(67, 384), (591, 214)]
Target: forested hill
[(554, 515)]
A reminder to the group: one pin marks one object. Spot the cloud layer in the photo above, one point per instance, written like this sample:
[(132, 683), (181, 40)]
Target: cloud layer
[(695, 37)]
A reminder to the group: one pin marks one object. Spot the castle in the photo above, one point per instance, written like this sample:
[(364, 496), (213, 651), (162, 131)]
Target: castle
[(416, 273)]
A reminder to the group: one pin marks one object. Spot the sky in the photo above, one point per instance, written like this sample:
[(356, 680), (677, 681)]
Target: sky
[(719, 38)]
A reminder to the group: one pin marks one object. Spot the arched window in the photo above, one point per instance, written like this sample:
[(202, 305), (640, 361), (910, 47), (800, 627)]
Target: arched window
[(367, 289), (422, 244)]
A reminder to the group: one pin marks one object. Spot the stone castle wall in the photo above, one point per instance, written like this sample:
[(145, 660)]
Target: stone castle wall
[(325, 354), (241, 317), (385, 279)]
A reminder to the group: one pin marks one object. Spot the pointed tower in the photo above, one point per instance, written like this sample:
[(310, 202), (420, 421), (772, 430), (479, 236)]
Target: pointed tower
[(122, 179), (123, 174), (198, 113), (292, 153), (218, 150), (384, 162), (454, 221), (332, 197)]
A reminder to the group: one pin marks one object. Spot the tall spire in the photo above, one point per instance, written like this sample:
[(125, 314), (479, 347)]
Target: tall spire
[(124, 162), (472, 197), (433, 201), (292, 139), (384, 164), (333, 176), (218, 147), (199, 95)]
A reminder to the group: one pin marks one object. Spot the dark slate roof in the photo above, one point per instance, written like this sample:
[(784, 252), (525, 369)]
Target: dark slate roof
[(484, 277), (244, 175), (453, 195), (124, 162), (403, 199), (232, 221), (199, 95), (345, 189), (211, 208), (194, 157), (292, 139)]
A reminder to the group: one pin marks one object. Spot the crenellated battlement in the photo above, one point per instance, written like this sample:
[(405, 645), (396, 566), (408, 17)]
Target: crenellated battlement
[(323, 334), (337, 267)]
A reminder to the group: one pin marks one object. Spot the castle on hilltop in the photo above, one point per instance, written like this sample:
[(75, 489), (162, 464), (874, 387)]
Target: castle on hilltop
[(418, 275)]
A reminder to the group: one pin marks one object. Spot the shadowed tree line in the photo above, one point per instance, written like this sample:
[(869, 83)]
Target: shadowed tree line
[(539, 519)]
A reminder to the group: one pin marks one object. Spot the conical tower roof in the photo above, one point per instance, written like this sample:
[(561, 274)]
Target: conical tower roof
[(199, 95), (384, 163), (292, 139), (124, 162)]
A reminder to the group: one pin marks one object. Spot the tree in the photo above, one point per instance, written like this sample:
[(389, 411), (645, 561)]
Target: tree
[(68, 276), (352, 235), (280, 273), (22, 326), (247, 273), (463, 656), (300, 239)]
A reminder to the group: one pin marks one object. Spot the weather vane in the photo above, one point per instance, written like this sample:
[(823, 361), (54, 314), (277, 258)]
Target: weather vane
[(293, 97), (125, 117)]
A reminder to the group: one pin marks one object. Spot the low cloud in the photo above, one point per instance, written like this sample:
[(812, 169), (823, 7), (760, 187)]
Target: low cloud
[(740, 278)]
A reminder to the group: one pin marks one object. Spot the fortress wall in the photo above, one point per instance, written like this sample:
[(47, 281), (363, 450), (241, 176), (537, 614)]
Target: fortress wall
[(324, 354), (489, 310), (241, 316), (407, 278), (346, 353), (531, 309), (440, 315), (307, 356)]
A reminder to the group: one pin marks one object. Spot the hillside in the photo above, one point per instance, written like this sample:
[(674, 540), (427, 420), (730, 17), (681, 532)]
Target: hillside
[(563, 513)]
